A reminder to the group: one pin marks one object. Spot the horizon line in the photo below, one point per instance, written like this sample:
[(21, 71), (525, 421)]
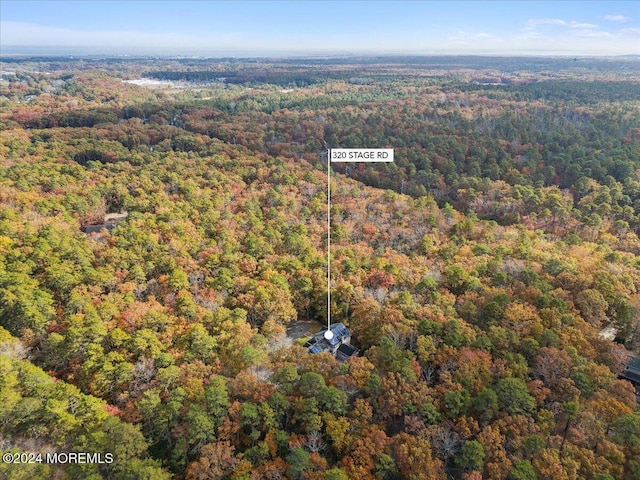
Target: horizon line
[(185, 53)]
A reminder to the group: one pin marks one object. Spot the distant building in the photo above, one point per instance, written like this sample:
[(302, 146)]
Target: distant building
[(338, 346), (109, 222), (632, 370), (631, 373)]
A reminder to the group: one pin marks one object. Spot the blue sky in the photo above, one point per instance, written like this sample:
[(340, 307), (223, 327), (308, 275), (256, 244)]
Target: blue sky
[(317, 27)]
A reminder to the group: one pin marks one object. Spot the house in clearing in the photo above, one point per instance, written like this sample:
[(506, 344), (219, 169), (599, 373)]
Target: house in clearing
[(108, 223), (339, 345)]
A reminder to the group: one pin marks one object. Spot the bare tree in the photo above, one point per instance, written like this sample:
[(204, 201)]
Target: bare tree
[(446, 442), (314, 442)]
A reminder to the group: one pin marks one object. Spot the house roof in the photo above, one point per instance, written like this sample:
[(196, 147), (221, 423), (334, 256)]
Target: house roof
[(347, 350), (98, 228), (339, 330), (319, 343), (632, 377), (115, 217), (634, 363)]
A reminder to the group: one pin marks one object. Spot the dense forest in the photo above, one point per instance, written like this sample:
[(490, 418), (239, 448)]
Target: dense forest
[(163, 225)]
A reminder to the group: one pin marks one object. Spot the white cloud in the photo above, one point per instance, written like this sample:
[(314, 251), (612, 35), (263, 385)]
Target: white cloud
[(532, 23), (617, 18), (463, 34), (556, 34), (536, 22), (476, 40), (574, 24), (592, 34)]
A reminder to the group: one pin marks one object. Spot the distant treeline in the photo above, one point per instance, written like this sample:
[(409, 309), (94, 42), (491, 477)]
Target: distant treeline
[(583, 92), (286, 79), (533, 64)]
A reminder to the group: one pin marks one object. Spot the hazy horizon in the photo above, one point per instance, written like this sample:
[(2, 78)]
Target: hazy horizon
[(276, 28), (37, 51)]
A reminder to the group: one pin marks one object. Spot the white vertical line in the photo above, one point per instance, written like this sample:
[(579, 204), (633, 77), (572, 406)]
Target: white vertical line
[(329, 239)]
